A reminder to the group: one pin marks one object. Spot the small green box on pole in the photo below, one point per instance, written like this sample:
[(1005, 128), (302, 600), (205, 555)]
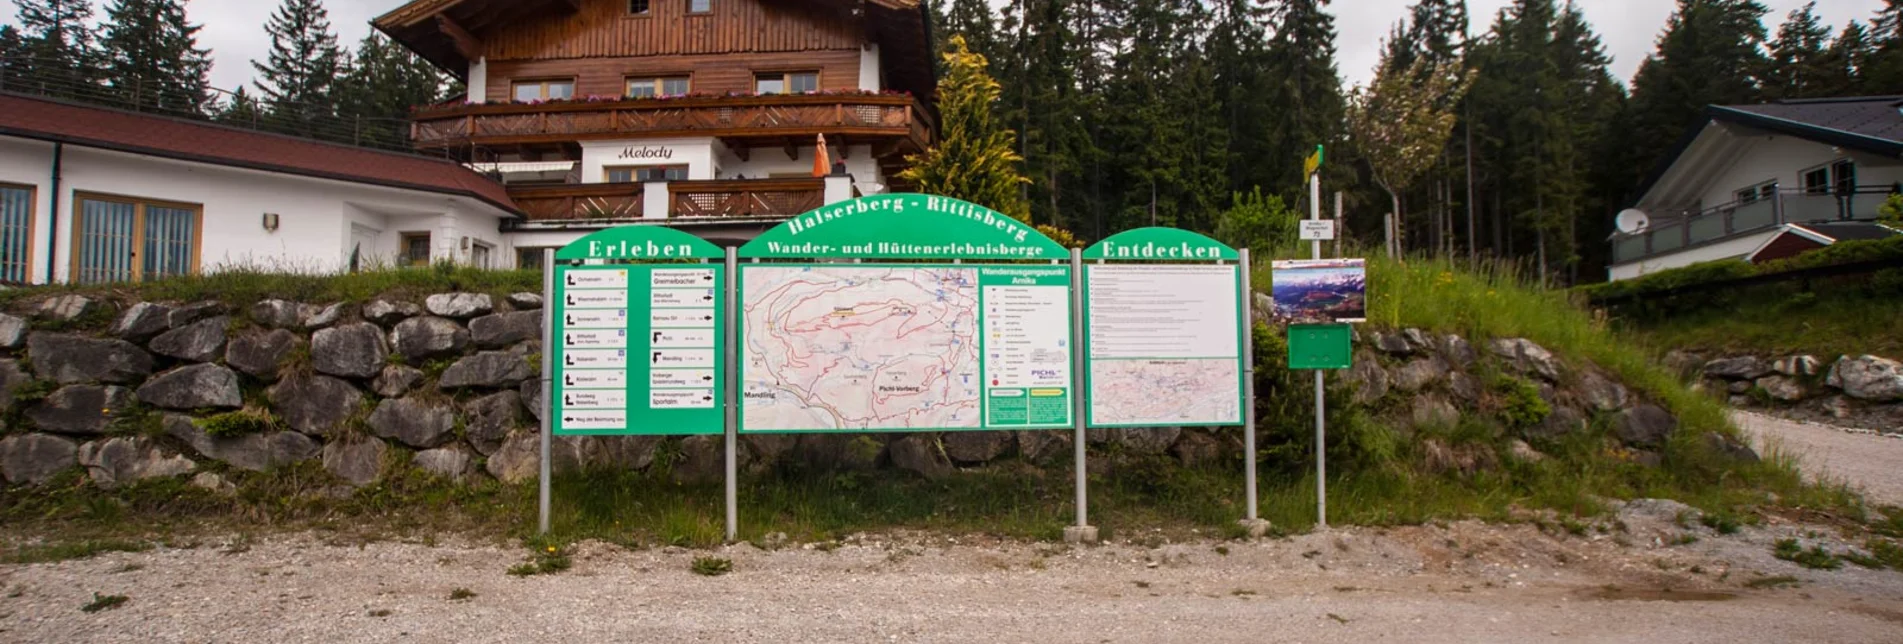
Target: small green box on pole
[(1320, 346)]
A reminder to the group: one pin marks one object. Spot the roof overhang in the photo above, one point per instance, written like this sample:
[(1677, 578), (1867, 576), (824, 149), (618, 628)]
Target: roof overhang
[(1714, 143)]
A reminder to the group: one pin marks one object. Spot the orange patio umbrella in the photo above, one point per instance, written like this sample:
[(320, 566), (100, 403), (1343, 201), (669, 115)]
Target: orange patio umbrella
[(822, 162)]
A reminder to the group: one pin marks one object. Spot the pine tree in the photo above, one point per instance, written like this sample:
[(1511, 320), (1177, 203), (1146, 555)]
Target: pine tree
[(59, 49), (385, 81), (1436, 29), (973, 20), (1711, 54), (975, 157), (152, 58), (1883, 74), (13, 65), (241, 109), (1238, 61), (1845, 62), (1799, 57), (1305, 91), (299, 77)]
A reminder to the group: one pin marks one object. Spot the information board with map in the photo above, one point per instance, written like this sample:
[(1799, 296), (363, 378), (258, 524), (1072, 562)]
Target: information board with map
[(1164, 340), (915, 347)]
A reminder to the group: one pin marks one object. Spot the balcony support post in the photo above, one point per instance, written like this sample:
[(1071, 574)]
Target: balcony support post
[(656, 200), (1777, 207)]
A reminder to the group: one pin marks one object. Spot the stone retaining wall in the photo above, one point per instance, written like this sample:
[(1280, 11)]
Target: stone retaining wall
[(1865, 390)]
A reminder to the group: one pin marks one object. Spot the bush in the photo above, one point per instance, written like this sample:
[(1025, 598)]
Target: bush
[(1521, 406), (243, 422)]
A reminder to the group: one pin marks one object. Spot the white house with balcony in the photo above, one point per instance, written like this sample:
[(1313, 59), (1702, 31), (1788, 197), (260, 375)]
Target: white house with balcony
[(1748, 172)]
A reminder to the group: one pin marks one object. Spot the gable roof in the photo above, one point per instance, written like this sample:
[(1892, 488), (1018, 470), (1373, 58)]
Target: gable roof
[(1869, 124), (1818, 234), (32, 117)]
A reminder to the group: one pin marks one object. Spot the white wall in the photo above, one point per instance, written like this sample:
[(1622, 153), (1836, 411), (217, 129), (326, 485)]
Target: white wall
[(696, 154), (870, 78), (765, 162), (478, 83), (314, 215), (1734, 247), (1784, 159)]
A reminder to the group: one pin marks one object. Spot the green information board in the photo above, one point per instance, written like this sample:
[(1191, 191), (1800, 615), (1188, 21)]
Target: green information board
[(904, 226), (904, 347), (1320, 346), (638, 348)]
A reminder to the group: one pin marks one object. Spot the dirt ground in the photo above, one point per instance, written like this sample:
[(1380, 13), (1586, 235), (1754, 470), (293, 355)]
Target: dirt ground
[(1865, 459), (1633, 576)]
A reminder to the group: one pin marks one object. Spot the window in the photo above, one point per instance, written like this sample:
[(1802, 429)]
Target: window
[(1844, 177), (1817, 182), (1758, 192), (544, 90), (786, 83), (118, 239), (700, 6), (529, 258), (638, 7), (16, 234), (628, 174), (416, 249), (479, 254), (652, 87), (1839, 177)]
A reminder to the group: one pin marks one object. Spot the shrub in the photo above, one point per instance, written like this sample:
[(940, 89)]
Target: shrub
[(243, 422), (1521, 405), (1816, 558), (712, 566)]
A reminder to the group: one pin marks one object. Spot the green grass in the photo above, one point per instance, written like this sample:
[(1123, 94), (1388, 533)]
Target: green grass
[(711, 566), (1816, 558), (67, 551), (1778, 581), (1774, 322), (103, 602), (244, 285)]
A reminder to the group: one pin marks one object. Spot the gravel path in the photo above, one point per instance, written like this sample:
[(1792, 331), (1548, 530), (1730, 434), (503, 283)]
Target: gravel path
[(1464, 582), (1868, 461)]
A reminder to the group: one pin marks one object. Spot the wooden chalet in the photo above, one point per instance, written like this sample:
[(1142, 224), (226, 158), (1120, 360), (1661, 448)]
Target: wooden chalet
[(701, 113)]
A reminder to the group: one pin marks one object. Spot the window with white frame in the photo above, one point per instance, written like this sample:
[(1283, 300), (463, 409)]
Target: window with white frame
[(1758, 192), (16, 233), (647, 87)]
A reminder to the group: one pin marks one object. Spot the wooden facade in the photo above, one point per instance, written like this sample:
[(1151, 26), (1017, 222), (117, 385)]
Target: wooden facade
[(605, 29), (707, 73)]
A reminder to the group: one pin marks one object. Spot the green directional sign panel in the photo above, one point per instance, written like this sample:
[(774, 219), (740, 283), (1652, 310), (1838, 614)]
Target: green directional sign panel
[(638, 349), (913, 347), (1320, 346)]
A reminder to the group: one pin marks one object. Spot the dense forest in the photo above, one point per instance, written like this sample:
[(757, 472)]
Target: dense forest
[(144, 55), (1192, 113), (1198, 113)]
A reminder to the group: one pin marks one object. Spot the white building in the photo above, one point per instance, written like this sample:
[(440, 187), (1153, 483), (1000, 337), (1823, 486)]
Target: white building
[(91, 194), (1747, 171)]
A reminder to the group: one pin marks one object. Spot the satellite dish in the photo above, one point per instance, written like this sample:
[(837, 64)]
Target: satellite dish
[(1633, 222)]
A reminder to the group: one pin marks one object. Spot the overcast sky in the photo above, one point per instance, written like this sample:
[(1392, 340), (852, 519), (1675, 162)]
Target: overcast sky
[(234, 28)]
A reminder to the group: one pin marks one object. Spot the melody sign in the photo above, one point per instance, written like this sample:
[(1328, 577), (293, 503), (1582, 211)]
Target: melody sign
[(647, 152)]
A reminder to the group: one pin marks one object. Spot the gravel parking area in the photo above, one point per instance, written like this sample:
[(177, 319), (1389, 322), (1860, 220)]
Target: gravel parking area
[(1865, 460)]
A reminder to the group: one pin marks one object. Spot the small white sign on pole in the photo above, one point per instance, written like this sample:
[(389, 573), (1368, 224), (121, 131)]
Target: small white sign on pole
[(1318, 230)]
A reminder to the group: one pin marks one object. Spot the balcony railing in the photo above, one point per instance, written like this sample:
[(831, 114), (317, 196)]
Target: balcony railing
[(1673, 233), (700, 200), (859, 115)]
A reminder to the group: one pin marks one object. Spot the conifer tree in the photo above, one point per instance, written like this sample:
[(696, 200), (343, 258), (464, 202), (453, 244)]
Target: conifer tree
[(385, 81), (973, 20), (1799, 57), (298, 79), (1883, 73), (58, 47), (13, 65), (1846, 61), (152, 59), (1304, 88), (975, 157), (1710, 54), (241, 109)]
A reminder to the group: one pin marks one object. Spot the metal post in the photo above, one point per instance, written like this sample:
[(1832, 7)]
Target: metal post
[(1321, 403), (1082, 532), (1248, 395), (733, 395), (548, 381)]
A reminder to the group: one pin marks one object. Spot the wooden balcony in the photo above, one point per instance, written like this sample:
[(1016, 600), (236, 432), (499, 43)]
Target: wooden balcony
[(696, 200), (891, 119)]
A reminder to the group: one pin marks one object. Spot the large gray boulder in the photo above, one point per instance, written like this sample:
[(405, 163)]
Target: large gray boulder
[(489, 419), (623, 453), (117, 461), (1419, 374), (325, 317), (1393, 343), (350, 351), (1045, 446), (413, 422), (976, 447), (427, 338), (1432, 412), (1868, 378), (281, 314), (396, 381), (254, 452), (79, 409), (453, 462), (1458, 351), (12, 377), (189, 313), (201, 341), (199, 386), (461, 306), (1646, 426), (1196, 449), (315, 405), (69, 359), (531, 390), (701, 460), (66, 308), (386, 312), (262, 355), (1527, 357), (358, 462), (1739, 368), (1369, 379), (32, 459), (489, 369), (1784, 388), (501, 330), (1562, 422), (1797, 365), (1602, 393), (919, 453), (12, 331), (525, 301), (519, 459), (143, 321)]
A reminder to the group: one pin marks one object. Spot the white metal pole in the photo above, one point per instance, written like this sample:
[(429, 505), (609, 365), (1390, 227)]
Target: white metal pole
[(732, 397), (548, 381), (1078, 409), (1321, 402), (1248, 391)]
